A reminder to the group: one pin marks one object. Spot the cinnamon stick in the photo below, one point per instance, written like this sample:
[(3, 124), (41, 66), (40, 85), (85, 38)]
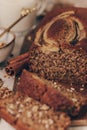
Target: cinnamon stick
[(15, 65)]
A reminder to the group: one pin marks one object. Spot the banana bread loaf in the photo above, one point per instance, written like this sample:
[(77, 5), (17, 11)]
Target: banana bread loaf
[(59, 52), (24, 113), (59, 55)]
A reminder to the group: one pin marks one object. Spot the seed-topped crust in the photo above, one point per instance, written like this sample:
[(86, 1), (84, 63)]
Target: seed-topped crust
[(25, 113)]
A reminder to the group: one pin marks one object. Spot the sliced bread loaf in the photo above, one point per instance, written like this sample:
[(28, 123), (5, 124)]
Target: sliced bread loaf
[(24, 113), (59, 96), (59, 55)]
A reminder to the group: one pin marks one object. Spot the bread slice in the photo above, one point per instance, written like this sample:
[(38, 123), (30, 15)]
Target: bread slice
[(56, 95), (24, 113)]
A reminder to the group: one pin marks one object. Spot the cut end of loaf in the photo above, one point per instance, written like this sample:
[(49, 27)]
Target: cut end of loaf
[(56, 95)]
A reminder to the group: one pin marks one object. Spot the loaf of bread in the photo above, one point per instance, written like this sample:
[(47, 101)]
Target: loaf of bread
[(24, 113), (59, 55), (59, 52)]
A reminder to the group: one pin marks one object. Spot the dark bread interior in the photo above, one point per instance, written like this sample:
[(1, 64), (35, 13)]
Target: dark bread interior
[(60, 97)]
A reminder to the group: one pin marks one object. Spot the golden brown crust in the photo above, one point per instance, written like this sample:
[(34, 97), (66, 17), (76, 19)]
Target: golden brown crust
[(60, 22)]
